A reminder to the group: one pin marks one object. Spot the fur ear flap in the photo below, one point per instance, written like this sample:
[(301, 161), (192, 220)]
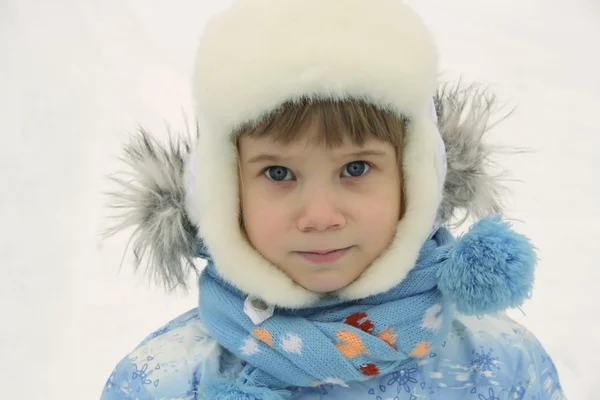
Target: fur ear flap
[(470, 189), (151, 200)]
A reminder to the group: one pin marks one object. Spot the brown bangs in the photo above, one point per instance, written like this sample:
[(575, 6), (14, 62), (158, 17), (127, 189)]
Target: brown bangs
[(355, 120)]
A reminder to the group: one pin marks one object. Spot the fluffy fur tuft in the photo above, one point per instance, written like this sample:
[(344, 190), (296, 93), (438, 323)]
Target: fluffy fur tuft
[(470, 189), (151, 198), (489, 269)]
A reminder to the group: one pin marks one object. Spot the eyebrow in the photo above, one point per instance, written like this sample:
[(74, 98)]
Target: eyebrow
[(356, 154), (266, 158), (367, 153)]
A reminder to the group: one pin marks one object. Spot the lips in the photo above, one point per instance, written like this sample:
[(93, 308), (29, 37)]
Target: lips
[(324, 256)]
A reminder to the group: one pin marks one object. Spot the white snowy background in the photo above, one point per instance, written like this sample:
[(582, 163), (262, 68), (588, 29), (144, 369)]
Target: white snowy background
[(77, 76)]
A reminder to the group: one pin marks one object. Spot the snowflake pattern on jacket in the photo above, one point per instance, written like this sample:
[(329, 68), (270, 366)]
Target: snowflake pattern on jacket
[(489, 358)]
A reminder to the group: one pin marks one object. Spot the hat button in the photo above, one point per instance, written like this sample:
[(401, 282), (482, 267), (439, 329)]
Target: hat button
[(259, 305)]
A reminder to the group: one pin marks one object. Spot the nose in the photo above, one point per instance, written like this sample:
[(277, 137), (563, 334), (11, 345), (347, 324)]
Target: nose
[(321, 212)]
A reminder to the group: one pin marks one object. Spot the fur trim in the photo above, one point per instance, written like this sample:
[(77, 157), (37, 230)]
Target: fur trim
[(215, 192), (246, 70), (151, 198), (261, 53)]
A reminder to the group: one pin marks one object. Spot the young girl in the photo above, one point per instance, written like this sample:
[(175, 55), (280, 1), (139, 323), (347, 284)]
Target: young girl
[(328, 167)]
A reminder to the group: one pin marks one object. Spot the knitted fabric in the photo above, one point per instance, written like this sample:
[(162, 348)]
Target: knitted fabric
[(335, 341)]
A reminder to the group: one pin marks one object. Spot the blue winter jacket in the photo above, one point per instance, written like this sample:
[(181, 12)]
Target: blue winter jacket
[(489, 358)]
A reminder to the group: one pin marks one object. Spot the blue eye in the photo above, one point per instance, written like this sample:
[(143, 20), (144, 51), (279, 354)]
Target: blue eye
[(278, 173), (355, 169)]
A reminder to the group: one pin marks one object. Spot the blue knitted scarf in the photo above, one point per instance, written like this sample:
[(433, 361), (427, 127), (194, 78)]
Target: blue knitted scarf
[(336, 341)]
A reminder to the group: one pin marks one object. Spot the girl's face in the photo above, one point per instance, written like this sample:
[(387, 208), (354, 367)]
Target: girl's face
[(320, 215)]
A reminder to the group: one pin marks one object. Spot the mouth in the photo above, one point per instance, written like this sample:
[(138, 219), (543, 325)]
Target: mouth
[(324, 256)]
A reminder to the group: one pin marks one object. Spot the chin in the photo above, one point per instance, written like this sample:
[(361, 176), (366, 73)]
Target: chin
[(324, 288), (322, 283)]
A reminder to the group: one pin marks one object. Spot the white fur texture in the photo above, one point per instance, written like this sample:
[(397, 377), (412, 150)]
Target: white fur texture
[(265, 52)]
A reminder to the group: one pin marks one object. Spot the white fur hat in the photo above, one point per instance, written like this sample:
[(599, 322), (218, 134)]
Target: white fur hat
[(262, 53)]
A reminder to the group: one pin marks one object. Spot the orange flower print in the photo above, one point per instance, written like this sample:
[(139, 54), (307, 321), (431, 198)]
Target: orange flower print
[(264, 336), (351, 345), (389, 336), (421, 349)]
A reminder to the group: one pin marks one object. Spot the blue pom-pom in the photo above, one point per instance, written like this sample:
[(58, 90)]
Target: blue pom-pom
[(230, 389), (489, 269)]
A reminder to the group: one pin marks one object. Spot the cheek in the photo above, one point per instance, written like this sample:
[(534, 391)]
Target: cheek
[(265, 221), (380, 214)]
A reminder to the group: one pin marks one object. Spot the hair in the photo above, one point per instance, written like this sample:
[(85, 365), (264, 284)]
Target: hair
[(339, 120), (352, 119)]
